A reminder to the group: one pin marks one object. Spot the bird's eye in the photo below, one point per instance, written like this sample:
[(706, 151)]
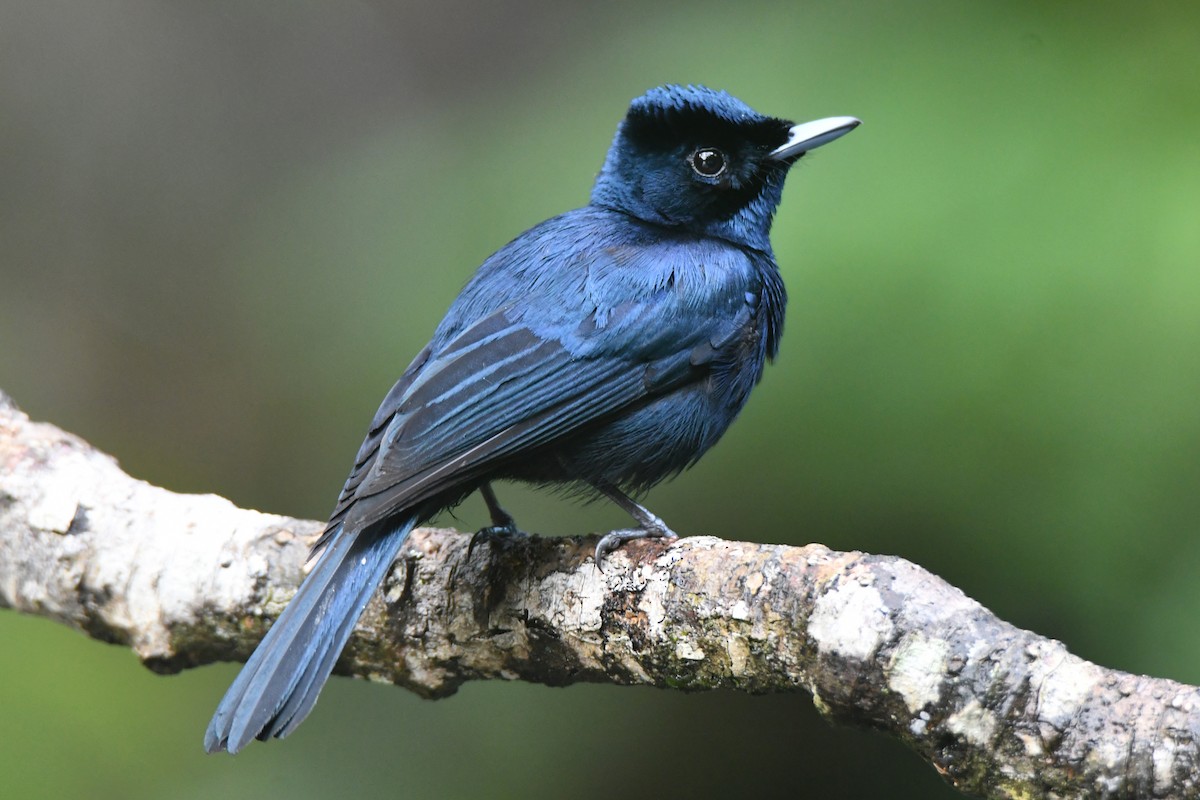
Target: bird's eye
[(707, 162)]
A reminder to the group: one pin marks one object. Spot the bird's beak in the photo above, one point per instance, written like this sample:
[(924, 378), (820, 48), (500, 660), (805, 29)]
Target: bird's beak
[(809, 135)]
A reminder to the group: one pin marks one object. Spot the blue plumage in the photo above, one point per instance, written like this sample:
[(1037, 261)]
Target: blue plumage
[(606, 348)]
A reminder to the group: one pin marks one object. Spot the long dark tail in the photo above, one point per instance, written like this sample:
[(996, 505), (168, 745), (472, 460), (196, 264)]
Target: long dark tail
[(279, 684)]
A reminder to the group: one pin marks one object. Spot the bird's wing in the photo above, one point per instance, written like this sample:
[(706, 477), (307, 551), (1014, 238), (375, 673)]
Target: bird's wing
[(503, 387)]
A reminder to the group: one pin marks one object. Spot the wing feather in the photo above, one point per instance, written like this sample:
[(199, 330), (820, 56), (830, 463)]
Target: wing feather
[(489, 399)]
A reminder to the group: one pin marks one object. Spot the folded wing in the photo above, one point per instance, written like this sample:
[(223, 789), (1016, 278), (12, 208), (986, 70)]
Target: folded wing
[(503, 388)]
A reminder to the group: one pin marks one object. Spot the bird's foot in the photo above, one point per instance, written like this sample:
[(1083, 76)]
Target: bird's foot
[(650, 525), (493, 533), (503, 525), (609, 542)]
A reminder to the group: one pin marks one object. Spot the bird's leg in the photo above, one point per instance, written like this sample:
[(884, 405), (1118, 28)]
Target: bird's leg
[(503, 523), (650, 526)]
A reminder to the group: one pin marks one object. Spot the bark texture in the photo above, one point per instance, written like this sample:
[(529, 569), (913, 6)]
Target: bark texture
[(1000, 712)]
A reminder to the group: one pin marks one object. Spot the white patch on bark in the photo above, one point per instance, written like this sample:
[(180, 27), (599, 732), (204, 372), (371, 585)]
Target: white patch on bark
[(1111, 754), (573, 599), (58, 504), (652, 603), (851, 621), (1164, 765), (1064, 681), (973, 722), (916, 670), (1033, 744), (740, 611)]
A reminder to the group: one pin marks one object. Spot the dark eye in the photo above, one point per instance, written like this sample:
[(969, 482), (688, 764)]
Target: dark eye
[(707, 162)]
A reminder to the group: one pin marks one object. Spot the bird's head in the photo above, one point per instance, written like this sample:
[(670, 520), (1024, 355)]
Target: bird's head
[(702, 160)]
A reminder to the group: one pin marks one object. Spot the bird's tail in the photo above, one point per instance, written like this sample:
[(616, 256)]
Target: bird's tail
[(279, 684)]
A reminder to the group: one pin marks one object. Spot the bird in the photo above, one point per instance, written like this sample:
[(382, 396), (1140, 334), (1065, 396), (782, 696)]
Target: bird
[(603, 350)]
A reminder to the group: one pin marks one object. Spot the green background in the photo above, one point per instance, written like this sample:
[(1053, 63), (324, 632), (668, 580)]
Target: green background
[(225, 227)]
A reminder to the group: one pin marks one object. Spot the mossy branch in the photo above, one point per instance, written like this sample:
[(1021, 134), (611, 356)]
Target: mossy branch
[(190, 579)]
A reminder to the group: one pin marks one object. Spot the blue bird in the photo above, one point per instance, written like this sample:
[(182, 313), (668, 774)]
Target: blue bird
[(605, 349)]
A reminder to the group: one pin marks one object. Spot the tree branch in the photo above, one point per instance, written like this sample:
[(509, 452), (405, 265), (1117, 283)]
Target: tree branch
[(190, 579)]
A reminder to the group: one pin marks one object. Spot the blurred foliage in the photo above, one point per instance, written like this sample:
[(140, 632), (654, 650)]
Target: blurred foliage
[(226, 227)]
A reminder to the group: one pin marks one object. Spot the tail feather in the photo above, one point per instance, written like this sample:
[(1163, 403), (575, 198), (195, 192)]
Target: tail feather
[(283, 677), (362, 585)]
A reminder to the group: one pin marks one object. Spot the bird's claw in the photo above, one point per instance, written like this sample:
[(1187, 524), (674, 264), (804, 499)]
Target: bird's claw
[(612, 540), (492, 532)]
